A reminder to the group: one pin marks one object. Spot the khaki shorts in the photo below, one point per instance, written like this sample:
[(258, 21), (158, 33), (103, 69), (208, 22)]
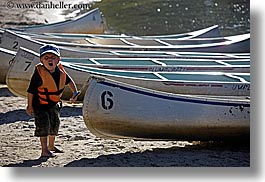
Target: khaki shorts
[(47, 122)]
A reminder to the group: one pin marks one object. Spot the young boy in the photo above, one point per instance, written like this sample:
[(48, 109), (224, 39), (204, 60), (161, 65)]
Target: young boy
[(44, 93)]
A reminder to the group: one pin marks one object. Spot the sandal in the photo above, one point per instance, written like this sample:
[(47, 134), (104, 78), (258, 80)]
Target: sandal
[(51, 155), (56, 150)]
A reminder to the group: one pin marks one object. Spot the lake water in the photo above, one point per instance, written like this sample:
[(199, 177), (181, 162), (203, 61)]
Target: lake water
[(152, 17)]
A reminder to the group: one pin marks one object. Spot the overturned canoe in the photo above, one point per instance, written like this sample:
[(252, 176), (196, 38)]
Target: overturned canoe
[(12, 41), (6, 56), (90, 22), (116, 110)]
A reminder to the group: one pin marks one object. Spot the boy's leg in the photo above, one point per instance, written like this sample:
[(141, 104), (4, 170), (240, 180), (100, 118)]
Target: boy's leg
[(51, 145), (41, 130), (51, 142), (54, 128), (44, 147)]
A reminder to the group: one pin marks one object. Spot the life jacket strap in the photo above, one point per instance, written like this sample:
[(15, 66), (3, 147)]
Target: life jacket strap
[(50, 93)]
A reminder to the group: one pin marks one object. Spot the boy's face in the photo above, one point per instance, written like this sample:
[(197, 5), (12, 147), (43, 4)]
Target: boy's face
[(50, 61)]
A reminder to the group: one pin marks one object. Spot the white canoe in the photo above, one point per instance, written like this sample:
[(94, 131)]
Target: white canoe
[(231, 44), (164, 65), (185, 55), (12, 41), (214, 83), (197, 83), (143, 64), (212, 31), (6, 57), (116, 110), (90, 22)]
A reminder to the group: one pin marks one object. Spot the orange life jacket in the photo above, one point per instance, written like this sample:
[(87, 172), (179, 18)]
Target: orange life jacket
[(48, 91)]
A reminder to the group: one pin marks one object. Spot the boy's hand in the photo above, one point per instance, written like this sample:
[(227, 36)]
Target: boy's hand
[(72, 100), (74, 97), (29, 110)]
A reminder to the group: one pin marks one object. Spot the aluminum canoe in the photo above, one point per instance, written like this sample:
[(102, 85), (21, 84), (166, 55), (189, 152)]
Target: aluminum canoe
[(23, 65), (164, 65), (231, 44), (6, 56), (116, 110), (185, 55), (143, 64), (212, 31), (12, 41), (90, 22), (198, 83)]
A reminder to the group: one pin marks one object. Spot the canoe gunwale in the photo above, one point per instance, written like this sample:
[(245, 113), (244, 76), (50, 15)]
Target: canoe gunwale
[(82, 69), (168, 96)]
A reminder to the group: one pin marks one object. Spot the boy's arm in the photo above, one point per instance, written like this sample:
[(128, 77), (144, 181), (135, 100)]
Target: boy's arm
[(29, 108), (34, 84), (72, 86)]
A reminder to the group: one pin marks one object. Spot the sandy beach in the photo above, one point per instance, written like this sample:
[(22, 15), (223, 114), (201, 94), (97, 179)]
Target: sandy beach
[(19, 147)]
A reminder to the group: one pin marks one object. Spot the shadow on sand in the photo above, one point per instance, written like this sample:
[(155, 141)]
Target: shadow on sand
[(4, 92), (8, 117), (68, 111), (189, 156), (29, 163), (21, 115), (205, 155)]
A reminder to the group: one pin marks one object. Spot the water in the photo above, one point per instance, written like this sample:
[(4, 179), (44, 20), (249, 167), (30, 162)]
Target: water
[(150, 17), (154, 17)]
